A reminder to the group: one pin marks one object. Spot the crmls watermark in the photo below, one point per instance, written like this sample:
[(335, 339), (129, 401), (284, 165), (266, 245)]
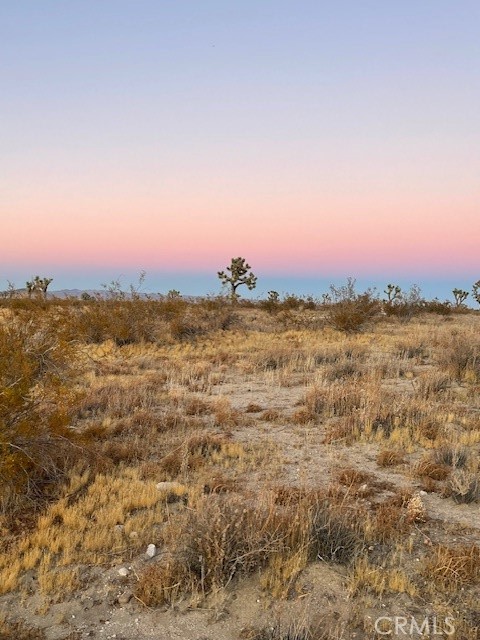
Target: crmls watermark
[(401, 626)]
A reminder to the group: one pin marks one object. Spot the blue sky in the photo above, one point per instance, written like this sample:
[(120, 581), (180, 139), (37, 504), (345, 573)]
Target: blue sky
[(319, 140)]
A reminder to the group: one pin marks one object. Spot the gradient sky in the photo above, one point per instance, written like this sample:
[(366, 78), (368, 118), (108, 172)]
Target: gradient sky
[(317, 139)]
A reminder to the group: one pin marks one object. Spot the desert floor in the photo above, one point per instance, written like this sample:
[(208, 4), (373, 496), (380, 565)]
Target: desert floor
[(297, 482)]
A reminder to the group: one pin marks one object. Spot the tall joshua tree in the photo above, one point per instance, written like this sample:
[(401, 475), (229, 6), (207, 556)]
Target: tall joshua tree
[(238, 274), (476, 291), (460, 296)]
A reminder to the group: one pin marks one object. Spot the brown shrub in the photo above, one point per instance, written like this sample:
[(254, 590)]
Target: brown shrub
[(353, 314), (389, 458), (192, 454), (125, 321), (253, 407), (460, 357), (451, 568), (351, 477), (37, 447), (342, 430), (341, 398), (431, 469), (271, 415), (221, 538), (391, 518), (336, 536), (463, 486)]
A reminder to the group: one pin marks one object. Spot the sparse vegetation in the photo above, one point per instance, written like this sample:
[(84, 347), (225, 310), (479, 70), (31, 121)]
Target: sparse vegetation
[(259, 447)]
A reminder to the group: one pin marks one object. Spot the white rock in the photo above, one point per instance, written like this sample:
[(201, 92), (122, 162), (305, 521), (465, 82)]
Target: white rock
[(125, 597), (151, 551), (169, 487), (123, 571), (166, 486)]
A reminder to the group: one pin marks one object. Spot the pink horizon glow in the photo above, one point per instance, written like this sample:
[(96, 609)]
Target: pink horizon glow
[(285, 236)]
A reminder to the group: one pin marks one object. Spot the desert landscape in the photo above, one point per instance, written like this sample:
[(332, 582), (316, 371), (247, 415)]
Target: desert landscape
[(280, 469), (239, 320)]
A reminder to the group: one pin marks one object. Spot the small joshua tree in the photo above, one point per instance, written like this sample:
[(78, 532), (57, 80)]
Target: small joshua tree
[(41, 285), (238, 275), (38, 285), (393, 292), (476, 291), (460, 296), (45, 284), (271, 304)]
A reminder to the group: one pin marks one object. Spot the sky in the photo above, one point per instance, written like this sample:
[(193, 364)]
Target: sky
[(319, 140)]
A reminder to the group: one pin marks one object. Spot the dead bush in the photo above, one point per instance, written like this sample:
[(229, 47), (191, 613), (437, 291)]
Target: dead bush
[(389, 458), (119, 401), (451, 568), (431, 385), (351, 315), (341, 398), (451, 456), (427, 467), (346, 429), (336, 536), (463, 486), (221, 538), (192, 454), (125, 321), (37, 447), (390, 519), (460, 357)]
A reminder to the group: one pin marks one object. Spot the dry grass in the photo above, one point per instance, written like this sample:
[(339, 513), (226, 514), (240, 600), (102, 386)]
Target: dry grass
[(389, 458), (379, 580), (463, 486), (451, 568), (357, 424), (219, 538), (79, 529)]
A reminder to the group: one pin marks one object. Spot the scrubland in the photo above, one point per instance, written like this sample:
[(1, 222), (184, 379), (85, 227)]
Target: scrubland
[(300, 473)]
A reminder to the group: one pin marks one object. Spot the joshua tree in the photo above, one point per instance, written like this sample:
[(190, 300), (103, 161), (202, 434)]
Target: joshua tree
[(460, 296), (39, 285), (44, 284), (274, 297), (476, 291), (393, 292), (238, 275), (271, 304)]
